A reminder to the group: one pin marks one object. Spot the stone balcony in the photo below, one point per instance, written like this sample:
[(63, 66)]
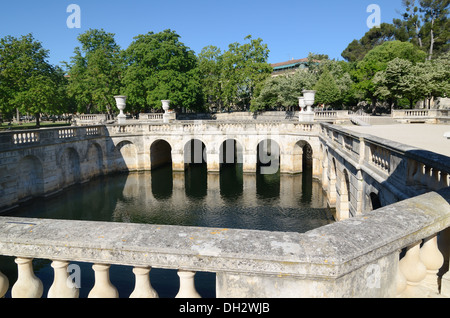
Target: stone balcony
[(393, 252)]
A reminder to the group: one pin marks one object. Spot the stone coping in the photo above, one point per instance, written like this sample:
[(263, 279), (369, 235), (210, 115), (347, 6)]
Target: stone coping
[(421, 155), (328, 252)]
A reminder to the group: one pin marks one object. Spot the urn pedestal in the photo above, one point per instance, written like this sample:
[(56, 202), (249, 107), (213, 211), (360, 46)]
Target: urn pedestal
[(121, 104), (308, 100)]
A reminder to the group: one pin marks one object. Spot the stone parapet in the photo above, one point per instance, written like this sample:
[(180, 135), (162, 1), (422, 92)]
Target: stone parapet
[(358, 257)]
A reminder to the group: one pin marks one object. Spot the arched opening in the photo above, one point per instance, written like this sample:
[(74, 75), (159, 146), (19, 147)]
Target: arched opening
[(196, 171), (127, 156), (70, 167), (268, 157), (94, 161), (161, 166), (347, 194), (160, 154), (30, 179), (307, 160), (375, 201), (231, 174), (194, 153), (268, 169), (231, 153)]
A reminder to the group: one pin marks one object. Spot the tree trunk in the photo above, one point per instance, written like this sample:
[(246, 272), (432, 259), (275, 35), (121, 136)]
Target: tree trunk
[(38, 117), (430, 55)]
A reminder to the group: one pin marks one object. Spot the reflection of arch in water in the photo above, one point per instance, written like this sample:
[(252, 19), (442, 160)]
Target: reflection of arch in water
[(268, 157), (30, 178), (160, 154), (195, 152)]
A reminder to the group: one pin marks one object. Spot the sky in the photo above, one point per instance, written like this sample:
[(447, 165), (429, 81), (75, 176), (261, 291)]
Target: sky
[(291, 29)]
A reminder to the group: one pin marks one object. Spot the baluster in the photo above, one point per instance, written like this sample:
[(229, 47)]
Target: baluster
[(419, 173), (4, 284), (27, 284), (432, 258), (401, 282), (413, 270), (426, 176), (143, 287), (102, 287), (443, 183), (187, 285), (62, 287), (434, 181)]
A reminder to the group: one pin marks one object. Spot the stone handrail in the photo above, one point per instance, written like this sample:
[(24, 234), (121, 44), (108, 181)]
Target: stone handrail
[(408, 168), (422, 115), (358, 257), (47, 136)]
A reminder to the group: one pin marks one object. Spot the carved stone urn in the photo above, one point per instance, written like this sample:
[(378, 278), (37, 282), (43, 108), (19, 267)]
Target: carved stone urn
[(121, 104)]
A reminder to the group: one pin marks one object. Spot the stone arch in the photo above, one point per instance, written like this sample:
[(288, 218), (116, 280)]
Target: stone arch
[(70, 166), (231, 152), (343, 207), (30, 178), (325, 172), (160, 153), (126, 153), (374, 201), (268, 154), (304, 151), (94, 161), (195, 152), (332, 177)]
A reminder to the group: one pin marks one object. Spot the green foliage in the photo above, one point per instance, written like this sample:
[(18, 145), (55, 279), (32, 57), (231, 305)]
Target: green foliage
[(234, 78), (377, 60), (27, 81), (327, 92), (424, 23), (95, 72), (160, 67)]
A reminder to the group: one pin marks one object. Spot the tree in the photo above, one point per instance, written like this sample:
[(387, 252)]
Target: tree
[(160, 67), (377, 60), (357, 49), (244, 69), (283, 91), (95, 72), (436, 28), (327, 92), (28, 82), (210, 67)]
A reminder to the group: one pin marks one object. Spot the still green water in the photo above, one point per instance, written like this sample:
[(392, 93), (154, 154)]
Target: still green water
[(231, 199)]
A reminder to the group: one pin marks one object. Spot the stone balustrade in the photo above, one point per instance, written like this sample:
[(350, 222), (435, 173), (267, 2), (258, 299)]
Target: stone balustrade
[(391, 252), (410, 170), (47, 136), (431, 116)]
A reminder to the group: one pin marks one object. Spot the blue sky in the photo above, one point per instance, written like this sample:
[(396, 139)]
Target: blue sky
[(291, 29)]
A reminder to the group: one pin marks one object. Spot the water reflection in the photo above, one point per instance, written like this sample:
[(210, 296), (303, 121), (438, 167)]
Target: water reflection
[(229, 199)]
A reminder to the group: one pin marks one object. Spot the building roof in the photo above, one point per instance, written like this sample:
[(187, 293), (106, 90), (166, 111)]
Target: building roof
[(291, 64)]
